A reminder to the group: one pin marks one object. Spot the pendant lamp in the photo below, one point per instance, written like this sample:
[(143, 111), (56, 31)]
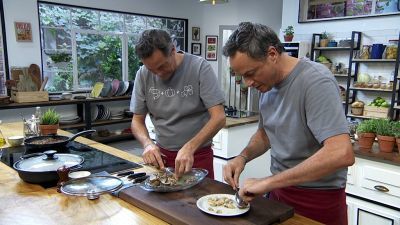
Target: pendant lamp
[(213, 1)]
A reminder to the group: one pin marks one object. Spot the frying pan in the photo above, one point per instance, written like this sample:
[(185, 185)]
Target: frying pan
[(62, 141)]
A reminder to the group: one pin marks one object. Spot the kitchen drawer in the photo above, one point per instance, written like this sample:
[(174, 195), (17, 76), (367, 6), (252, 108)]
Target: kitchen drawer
[(381, 180), (217, 140), (351, 174), (229, 142)]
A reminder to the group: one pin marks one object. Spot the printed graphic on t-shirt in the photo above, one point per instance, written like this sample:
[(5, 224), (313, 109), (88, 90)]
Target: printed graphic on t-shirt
[(170, 92)]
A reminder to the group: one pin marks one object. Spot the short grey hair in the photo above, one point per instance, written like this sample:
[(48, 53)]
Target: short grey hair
[(253, 39), (151, 40)]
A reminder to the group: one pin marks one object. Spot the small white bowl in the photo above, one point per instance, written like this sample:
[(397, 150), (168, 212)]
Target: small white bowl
[(15, 140), (78, 174), (66, 96)]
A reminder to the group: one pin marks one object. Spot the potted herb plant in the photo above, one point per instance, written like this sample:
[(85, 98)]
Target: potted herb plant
[(366, 134), (289, 31), (385, 134), (324, 39), (396, 130), (49, 122)]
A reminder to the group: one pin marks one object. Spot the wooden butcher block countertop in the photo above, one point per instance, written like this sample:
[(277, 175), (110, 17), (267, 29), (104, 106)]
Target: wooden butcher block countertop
[(23, 203)]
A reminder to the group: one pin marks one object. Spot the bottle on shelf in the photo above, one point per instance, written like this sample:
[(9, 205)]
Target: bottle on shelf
[(2, 138), (37, 117)]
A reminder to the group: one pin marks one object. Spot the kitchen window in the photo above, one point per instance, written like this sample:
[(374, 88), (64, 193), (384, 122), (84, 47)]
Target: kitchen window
[(81, 46), (317, 10)]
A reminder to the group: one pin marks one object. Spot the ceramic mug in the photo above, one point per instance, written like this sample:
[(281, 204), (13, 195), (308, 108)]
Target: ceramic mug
[(377, 51)]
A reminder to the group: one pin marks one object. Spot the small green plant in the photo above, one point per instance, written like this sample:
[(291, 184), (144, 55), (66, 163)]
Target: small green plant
[(385, 127), (60, 57), (289, 31), (50, 117), (396, 129), (324, 35), (367, 126)]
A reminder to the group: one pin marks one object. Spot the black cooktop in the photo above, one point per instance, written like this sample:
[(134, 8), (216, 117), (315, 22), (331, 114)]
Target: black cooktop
[(95, 160)]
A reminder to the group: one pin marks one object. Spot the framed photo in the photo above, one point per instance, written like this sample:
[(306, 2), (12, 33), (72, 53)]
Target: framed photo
[(196, 33), (196, 48), (23, 31), (211, 47)]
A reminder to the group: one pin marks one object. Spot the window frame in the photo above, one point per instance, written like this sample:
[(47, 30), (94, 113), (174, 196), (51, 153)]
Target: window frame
[(124, 35)]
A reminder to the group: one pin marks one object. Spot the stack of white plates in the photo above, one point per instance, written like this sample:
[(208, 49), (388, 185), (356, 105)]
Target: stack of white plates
[(70, 119), (117, 115)]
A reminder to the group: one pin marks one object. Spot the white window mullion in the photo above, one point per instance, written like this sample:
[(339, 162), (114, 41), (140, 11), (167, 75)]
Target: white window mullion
[(125, 52), (74, 61)]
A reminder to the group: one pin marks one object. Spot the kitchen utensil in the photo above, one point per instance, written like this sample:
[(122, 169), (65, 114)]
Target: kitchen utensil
[(57, 140), (125, 173), (204, 206), (91, 187), (195, 176), (44, 83), (78, 174), (240, 203), (40, 168), (136, 175)]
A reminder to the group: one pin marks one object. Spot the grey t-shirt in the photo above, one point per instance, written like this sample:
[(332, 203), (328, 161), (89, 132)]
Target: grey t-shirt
[(178, 107), (299, 114)]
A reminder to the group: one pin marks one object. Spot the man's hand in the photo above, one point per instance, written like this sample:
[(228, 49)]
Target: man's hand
[(253, 187), (232, 171), (183, 162), (152, 155)]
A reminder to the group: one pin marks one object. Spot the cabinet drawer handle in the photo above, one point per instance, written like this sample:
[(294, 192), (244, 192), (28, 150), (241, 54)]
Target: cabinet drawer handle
[(381, 188)]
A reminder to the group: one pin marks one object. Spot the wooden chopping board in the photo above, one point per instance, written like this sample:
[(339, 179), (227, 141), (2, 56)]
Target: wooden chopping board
[(180, 207)]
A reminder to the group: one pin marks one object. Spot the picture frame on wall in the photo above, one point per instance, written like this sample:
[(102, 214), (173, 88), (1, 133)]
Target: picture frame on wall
[(196, 33), (23, 31), (211, 47), (196, 48)]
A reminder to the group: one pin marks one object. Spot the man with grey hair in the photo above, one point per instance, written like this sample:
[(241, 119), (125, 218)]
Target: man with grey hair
[(302, 123), (180, 92)]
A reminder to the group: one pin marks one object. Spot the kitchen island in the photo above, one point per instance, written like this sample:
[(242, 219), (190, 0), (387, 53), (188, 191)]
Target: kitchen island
[(23, 203)]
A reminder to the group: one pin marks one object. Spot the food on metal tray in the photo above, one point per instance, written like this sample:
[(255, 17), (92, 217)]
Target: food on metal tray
[(168, 179)]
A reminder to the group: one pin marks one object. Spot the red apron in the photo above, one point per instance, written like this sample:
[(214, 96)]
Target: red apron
[(324, 206), (203, 158)]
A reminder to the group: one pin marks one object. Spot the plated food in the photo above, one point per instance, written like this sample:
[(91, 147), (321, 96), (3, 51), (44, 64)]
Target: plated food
[(220, 205)]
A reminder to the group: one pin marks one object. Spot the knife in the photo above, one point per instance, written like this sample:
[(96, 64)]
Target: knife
[(136, 175), (140, 179), (125, 173)]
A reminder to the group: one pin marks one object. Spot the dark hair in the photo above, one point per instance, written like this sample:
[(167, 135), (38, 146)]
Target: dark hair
[(253, 39), (151, 40)]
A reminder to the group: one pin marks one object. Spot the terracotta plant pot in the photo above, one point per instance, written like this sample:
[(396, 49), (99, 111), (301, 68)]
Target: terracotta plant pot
[(323, 42), (365, 141), (288, 38), (48, 129), (386, 143), (398, 143)]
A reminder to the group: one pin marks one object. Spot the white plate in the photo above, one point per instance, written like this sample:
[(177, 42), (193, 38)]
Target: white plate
[(203, 205)]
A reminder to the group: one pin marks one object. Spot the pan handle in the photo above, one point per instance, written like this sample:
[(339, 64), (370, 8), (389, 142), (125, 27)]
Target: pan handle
[(81, 133)]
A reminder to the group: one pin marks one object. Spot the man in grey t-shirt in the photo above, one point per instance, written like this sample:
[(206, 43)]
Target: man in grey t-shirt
[(180, 92), (302, 122)]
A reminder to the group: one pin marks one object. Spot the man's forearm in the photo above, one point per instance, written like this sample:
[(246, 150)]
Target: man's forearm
[(140, 131), (257, 146)]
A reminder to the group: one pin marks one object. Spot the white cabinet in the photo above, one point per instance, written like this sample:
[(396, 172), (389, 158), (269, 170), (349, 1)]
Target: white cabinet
[(365, 213), (376, 182), (229, 142)]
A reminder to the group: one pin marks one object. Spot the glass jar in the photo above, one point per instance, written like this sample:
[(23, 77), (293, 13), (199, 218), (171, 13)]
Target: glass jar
[(391, 49)]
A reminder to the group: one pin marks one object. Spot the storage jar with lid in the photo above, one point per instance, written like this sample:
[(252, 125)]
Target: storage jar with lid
[(391, 49)]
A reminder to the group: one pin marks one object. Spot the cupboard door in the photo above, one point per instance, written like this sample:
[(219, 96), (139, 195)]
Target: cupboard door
[(218, 169), (365, 217)]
